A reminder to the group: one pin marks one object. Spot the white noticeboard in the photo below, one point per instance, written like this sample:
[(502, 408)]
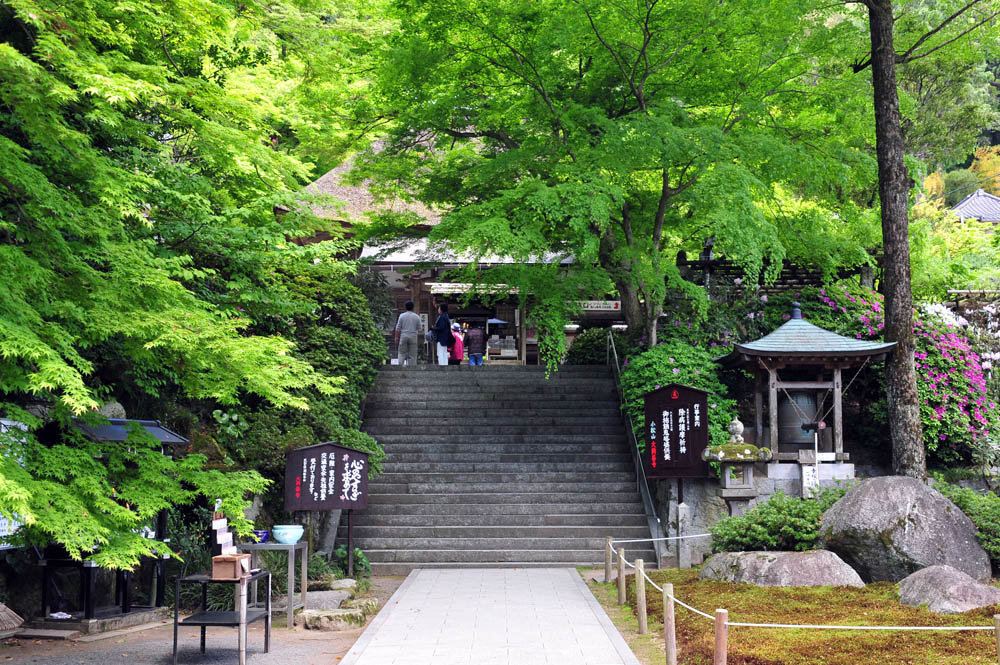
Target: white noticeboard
[(601, 305), (810, 479)]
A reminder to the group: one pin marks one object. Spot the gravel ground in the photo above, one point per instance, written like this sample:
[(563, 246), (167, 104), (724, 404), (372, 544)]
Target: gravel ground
[(154, 646)]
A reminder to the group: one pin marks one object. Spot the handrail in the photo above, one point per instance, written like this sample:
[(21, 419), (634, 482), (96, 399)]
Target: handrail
[(655, 526)]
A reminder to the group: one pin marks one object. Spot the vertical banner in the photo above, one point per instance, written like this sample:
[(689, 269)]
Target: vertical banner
[(326, 477), (676, 431)]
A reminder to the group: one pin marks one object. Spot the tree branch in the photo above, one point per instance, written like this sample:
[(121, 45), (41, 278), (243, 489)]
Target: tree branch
[(930, 33)]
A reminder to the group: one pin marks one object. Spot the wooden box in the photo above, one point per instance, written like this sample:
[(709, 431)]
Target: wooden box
[(230, 566)]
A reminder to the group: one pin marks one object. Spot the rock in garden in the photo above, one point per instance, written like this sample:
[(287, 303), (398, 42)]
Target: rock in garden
[(367, 605), (887, 528), (816, 568), (342, 619), (327, 600), (946, 591), (347, 583)]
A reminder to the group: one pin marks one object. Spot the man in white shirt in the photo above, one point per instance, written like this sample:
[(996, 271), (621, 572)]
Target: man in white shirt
[(407, 329)]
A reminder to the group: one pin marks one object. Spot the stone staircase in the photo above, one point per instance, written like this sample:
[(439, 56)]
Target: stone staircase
[(496, 466)]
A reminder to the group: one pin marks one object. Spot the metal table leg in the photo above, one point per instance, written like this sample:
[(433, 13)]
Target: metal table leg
[(241, 602), (267, 619), (289, 602), (304, 571), (177, 611)]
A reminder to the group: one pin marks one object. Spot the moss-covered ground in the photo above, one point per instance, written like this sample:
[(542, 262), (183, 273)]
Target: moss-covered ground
[(875, 605)]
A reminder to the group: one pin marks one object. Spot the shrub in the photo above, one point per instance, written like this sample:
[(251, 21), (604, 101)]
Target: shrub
[(782, 523), (677, 361), (591, 347), (362, 566), (983, 510)]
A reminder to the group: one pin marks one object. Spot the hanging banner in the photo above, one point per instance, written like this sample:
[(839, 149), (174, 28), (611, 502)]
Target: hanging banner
[(676, 432), (326, 476)]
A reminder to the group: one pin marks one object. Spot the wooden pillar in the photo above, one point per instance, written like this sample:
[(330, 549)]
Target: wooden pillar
[(838, 418), (772, 407), (758, 409)]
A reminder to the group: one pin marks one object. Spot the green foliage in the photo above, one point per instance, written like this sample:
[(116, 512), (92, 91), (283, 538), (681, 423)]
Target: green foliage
[(782, 523), (362, 567), (548, 143), (958, 184), (984, 511), (95, 498), (677, 362), (946, 254), (590, 347)]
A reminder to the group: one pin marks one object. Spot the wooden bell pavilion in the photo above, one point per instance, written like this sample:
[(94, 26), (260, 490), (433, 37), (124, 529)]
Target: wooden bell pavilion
[(797, 366)]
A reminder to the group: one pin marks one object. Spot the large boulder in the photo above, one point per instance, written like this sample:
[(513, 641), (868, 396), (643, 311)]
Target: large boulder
[(816, 568), (946, 591), (890, 527)]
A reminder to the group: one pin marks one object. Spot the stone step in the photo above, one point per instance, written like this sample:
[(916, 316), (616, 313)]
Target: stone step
[(501, 488), (498, 543), (472, 377), (571, 557), (615, 520), (507, 442), (381, 409), (525, 477), (487, 422), (491, 508), (433, 392), (487, 464), (471, 427), (546, 534), (461, 454), (555, 500)]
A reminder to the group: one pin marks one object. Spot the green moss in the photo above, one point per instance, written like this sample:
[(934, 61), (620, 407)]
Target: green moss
[(873, 605)]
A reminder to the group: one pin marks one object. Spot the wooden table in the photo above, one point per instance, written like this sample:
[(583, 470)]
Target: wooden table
[(290, 549), (239, 618)]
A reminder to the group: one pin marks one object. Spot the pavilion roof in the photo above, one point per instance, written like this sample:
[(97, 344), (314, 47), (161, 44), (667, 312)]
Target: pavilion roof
[(797, 339), (980, 205)]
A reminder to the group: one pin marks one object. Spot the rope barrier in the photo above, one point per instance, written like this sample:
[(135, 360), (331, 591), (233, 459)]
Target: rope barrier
[(744, 624), (822, 627), (660, 589)]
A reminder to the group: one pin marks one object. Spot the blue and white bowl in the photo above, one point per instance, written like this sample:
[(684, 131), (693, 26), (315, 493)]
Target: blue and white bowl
[(287, 534)]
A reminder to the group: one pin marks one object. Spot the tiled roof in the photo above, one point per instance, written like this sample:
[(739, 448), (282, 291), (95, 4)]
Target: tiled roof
[(799, 337), (980, 205)]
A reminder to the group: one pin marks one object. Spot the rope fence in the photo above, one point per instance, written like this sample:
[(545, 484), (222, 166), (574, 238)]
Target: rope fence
[(721, 617)]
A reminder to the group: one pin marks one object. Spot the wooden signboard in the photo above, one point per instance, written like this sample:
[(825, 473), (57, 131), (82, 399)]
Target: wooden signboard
[(326, 477), (676, 432)]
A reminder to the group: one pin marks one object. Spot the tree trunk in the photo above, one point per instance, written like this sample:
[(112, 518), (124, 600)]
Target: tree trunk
[(632, 309), (908, 457)]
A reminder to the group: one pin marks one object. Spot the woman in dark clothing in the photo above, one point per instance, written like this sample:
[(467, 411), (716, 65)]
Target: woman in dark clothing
[(475, 343), (442, 333)]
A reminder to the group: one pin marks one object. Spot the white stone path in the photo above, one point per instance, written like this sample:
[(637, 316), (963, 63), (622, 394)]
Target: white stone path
[(527, 616)]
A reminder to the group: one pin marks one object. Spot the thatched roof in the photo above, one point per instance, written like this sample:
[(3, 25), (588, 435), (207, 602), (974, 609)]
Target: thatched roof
[(357, 200)]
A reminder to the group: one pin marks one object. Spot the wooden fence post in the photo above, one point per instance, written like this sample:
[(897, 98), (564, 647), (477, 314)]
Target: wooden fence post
[(640, 595), (721, 637), (996, 632), (607, 560), (621, 576), (669, 633)]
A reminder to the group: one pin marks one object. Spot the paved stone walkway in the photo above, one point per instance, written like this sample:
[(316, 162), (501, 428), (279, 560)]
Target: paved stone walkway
[(528, 616)]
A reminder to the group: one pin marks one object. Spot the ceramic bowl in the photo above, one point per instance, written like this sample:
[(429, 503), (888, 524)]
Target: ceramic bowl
[(262, 535), (288, 534)]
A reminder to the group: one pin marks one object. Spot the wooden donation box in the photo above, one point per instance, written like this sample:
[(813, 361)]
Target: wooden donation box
[(676, 432), (230, 566), (326, 477)]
